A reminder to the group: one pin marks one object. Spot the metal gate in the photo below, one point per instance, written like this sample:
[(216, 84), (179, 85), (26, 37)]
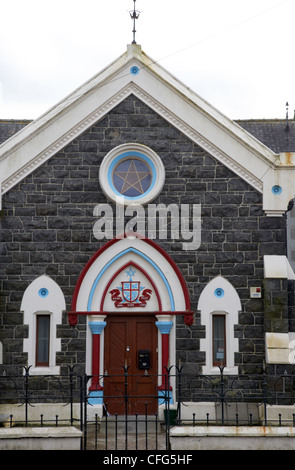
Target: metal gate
[(126, 430)]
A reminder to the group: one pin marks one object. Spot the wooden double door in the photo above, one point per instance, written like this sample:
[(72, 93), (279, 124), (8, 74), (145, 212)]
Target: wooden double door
[(131, 342)]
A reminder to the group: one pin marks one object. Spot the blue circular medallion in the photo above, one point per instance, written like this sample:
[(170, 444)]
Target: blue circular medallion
[(219, 292), (134, 70), (276, 189), (43, 292)]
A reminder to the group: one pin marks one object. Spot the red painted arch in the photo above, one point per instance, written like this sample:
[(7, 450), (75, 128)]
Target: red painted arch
[(146, 240), (131, 263)]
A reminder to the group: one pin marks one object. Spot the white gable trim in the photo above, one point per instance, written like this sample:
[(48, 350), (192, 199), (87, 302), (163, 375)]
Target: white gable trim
[(221, 137), (199, 139), (28, 165)]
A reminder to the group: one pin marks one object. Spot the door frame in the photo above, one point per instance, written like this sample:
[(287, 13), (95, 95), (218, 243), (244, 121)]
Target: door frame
[(100, 269), (162, 318), (132, 371)]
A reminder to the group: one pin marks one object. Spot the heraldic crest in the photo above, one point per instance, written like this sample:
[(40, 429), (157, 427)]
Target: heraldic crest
[(130, 294)]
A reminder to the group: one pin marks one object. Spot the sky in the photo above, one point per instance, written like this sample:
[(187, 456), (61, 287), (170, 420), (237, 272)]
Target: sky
[(237, 55)]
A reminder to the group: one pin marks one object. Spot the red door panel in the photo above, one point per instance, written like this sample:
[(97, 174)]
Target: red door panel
[(125, 337)]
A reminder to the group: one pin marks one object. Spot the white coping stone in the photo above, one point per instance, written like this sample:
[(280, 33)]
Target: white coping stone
[(278, 267), (232, 438), (277, 340), (40, 438), (231, 431)]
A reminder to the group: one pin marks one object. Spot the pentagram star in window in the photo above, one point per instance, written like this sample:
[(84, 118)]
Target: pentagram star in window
[(132, 177), (131, 174)]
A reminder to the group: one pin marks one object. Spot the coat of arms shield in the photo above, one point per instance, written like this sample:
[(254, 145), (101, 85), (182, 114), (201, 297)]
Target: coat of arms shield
[(130, 290), (130, 294)]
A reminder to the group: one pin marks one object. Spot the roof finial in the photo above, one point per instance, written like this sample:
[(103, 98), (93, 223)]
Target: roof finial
[(134, 16), (287, 128)]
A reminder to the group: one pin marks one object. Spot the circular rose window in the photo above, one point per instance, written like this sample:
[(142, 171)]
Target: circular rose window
[(132, 177), (132, 174)]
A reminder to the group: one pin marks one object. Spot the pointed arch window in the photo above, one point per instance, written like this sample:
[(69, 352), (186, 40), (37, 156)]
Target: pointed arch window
[(219, 305), (43, 303)]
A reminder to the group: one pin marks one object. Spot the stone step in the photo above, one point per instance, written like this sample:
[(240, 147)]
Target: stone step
[(131, 424)]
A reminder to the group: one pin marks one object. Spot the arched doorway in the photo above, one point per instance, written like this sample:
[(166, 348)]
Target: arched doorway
[(131, 291)]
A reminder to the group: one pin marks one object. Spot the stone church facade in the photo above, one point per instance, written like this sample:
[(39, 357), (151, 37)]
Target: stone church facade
[(95, 291)]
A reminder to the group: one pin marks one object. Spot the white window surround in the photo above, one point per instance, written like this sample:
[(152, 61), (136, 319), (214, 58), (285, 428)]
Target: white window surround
[(141, 152), (42, 297), (228, 304)]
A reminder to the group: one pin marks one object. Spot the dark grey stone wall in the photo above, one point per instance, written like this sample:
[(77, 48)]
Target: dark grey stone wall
[(47, 221), (276, 309)]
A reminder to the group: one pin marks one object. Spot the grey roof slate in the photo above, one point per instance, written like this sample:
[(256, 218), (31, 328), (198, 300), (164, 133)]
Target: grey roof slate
[(10, 127), (278, 135)]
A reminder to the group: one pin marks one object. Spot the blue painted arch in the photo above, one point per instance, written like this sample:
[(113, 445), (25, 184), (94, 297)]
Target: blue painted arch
[(115, 258)]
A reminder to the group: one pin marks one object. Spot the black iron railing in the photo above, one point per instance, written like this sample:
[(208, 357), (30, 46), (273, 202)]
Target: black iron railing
[(144, 421)]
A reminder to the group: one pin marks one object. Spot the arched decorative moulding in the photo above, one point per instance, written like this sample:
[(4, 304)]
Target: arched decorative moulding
[(156, 266), (219, 297), (109, 294), (154, 269), (43, 297)]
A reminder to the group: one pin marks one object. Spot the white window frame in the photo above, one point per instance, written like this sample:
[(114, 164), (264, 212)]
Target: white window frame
[(115, 155), (33, 304), (223, 315), (230, 306), (39, 339), (35, 343)]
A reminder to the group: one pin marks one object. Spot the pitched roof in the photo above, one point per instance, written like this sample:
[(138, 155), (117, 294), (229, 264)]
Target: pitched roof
[(278, 135), (136, 73)]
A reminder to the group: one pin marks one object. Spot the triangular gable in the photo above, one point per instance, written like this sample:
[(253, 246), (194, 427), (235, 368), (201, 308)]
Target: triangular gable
[(136, 73)]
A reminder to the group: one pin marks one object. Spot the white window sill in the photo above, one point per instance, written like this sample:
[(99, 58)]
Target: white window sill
[(55, 370), (216, 371)]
